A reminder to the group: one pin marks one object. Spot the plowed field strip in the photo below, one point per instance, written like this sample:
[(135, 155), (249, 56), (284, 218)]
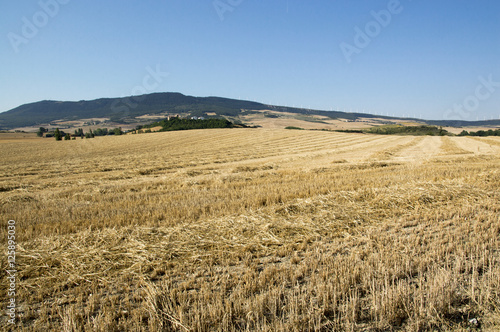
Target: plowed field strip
[(490, 140), (450, 147), (395, 146), (425, 148), (478, 145)]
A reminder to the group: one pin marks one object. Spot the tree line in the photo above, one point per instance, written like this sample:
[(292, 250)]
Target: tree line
[(59, 135), (489, 132), (408, 130), (177, 123)]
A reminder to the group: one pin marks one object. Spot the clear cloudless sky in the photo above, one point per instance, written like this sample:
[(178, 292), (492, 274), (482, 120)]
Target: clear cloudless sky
[(430, 59)]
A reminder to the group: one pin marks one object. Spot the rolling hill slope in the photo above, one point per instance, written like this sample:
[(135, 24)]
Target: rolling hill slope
[(127, 110), (120, 110)]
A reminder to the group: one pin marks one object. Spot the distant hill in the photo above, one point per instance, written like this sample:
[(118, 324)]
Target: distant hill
[(121, 110), (126, 110)]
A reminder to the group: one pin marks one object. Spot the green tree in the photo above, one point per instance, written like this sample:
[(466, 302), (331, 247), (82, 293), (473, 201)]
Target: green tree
[(40, 131), (100, 132), (79, 132), (67, 137), (57, 134)]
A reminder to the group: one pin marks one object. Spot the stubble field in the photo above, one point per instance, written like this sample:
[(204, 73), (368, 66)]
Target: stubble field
[(253, 230)]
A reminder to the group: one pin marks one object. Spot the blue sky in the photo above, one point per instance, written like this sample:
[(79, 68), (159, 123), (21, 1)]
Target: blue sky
[(430, 59)]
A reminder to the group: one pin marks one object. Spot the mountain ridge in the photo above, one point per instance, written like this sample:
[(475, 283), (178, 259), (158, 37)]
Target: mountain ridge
[(125, 110)]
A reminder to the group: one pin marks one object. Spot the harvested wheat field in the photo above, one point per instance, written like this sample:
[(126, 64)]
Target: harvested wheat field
[(253, 230)]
